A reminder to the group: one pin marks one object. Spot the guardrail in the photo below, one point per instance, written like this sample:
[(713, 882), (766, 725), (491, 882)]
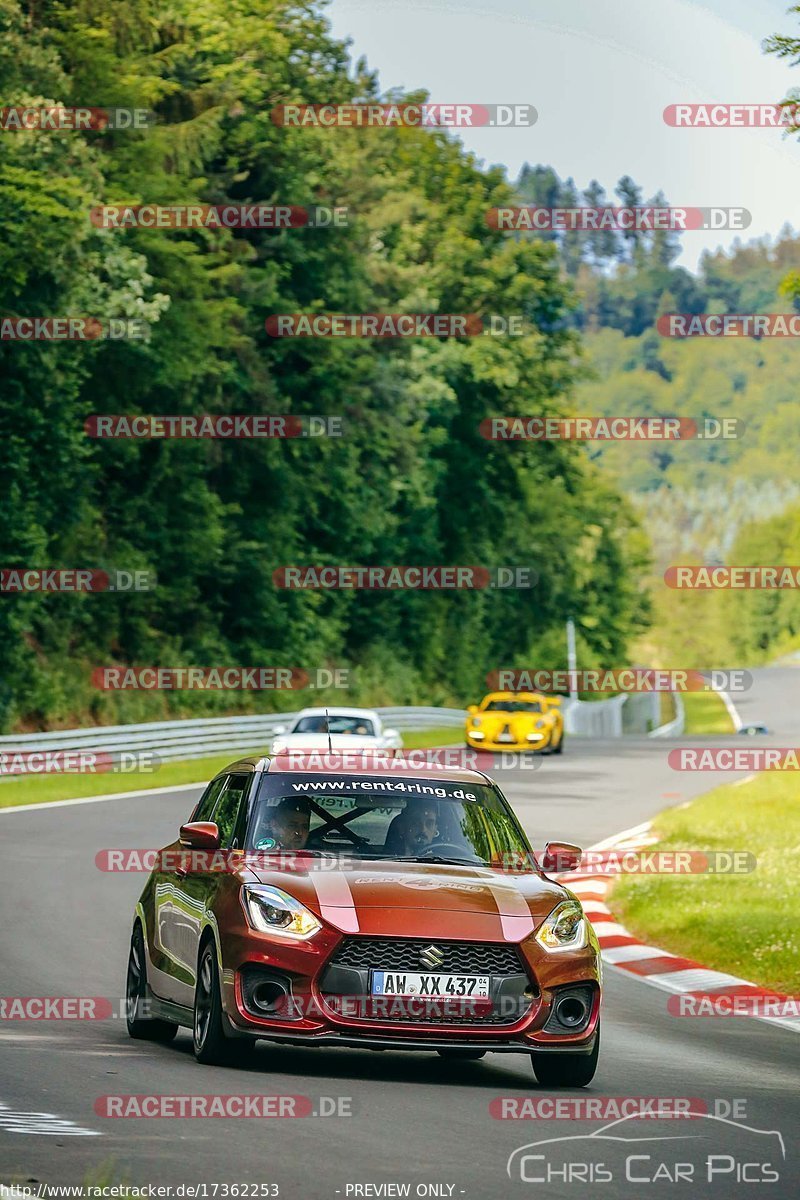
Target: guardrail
[(632, 713), (187, 739), (172, 740), (594, 718), (676, 726)]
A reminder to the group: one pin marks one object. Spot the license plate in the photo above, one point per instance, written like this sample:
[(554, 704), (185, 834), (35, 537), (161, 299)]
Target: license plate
[(409, 983), (506, 737)]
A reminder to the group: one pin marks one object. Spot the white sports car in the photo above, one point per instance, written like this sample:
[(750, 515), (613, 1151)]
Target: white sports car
[(350, 729)]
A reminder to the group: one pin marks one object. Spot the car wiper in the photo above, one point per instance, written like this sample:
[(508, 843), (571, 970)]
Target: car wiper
[(438, 858), (276, 852)]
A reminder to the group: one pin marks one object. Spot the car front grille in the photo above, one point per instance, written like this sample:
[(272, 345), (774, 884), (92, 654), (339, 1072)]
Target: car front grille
[(433, 1012), (403, 954)]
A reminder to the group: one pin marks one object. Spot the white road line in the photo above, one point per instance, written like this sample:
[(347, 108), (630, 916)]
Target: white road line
[(618, 954), (605, 929), (160, 791), (731, 707), (41, 1124), (690, 979), (590, 886), (785, 1022)]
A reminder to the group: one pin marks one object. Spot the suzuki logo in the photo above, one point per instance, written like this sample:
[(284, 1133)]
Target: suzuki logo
[(431, 957)]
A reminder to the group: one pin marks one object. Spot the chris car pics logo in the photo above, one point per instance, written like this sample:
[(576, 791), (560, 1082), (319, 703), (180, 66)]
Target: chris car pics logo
[(706, 1150)]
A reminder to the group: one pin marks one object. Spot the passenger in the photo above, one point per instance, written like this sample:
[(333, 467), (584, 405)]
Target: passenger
[(289, 823), (414, 829)]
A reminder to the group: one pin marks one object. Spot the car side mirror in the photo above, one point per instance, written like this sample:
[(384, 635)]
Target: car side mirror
[(472, 709), (561, 856), (391, 733), (200, 835)]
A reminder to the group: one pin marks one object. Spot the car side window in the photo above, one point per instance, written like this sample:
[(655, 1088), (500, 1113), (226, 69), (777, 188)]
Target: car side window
[(209, 799), (227, 810)]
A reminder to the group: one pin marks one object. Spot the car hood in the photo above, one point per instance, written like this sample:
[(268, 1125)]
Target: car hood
[(319, 741), (492, 723), (417, 899)]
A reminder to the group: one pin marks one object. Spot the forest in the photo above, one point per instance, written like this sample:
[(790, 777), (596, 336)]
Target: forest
[(410, 481)]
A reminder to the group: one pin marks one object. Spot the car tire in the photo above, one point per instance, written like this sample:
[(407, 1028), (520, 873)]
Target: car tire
[(149, 1029), (560, 747), (457, 1055), (209, 1042), (565, 1070)]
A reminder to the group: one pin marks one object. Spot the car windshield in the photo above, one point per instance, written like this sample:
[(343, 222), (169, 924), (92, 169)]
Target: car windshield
[(513, 706), (360, 726), (385, 817)]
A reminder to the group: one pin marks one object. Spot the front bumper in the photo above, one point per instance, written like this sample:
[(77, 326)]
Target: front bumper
[(315, 1016), (430, 1044), (494, 744)]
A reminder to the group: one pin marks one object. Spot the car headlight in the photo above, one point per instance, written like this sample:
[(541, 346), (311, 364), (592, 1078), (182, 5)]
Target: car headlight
[(278, 747), (564, 929), (476, 720), (270, 910), (540, 724)]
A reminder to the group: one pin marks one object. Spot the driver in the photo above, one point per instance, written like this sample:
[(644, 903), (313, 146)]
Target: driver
[(418, 826), (289, 823)]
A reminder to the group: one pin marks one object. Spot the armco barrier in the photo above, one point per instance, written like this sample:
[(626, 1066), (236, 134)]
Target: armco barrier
[(594, 718), (177, 740), (676, 727), (172, 740)]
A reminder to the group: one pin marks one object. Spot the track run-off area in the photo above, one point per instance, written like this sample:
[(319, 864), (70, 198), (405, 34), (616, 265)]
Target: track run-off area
[(406, 1120)]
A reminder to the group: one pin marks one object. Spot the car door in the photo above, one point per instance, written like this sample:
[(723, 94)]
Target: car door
[(168, 975), (196, 891)]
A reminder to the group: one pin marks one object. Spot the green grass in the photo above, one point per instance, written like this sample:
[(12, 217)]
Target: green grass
[(38, 789), (421, 739), (745, 924), (706, 713)]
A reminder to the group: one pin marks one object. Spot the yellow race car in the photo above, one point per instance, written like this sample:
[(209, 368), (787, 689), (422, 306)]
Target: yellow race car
[(516, 721)]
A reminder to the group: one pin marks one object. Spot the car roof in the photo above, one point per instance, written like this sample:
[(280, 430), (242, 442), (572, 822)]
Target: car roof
[(289, 764), (339, 712), (514, 696), (326, 764)]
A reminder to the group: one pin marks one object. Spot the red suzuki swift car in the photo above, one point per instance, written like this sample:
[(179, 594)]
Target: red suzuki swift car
[(383, 907)]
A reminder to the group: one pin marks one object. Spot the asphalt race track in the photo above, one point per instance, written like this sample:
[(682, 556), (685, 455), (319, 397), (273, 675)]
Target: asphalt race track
[(415, 1118)]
